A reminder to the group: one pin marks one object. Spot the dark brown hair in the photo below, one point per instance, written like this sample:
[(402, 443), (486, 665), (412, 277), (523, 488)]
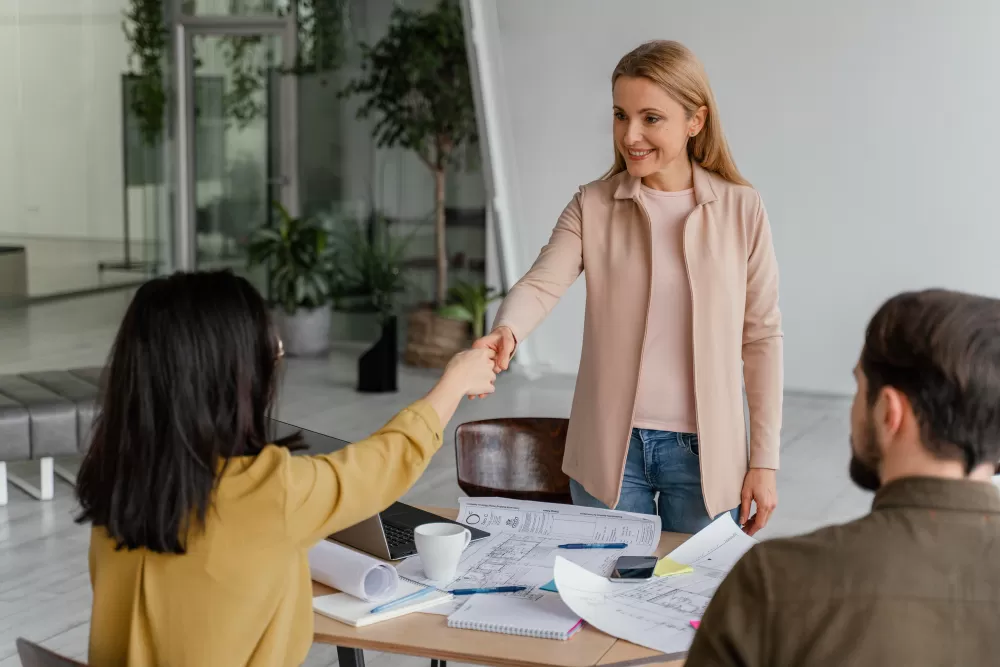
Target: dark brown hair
[(942, 350), (189, 385)]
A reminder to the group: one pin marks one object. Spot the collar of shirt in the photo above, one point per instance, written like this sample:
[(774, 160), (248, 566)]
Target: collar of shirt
[(937, 493)]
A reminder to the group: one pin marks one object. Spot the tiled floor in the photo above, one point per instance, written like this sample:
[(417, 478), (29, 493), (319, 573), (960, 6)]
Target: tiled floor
[(44, 588)]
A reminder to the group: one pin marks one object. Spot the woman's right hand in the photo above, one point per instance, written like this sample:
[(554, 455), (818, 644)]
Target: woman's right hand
[(473, 371), (501, 342), (469, 372)]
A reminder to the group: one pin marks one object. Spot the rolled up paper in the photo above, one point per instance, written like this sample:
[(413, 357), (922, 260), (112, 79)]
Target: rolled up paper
[(351, 572)]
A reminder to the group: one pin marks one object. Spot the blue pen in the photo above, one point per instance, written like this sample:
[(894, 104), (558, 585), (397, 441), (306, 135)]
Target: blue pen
[(405, 598), (616, 545), (497, 589)]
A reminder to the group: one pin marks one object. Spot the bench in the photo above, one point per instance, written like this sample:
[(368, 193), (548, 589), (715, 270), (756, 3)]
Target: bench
[(45, 415), (50, 414)]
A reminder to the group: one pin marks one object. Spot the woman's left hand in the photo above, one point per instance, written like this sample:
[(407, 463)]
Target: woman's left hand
[(760, 486)]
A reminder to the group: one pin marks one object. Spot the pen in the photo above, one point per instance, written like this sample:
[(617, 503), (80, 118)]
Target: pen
[(616, 545), (405, 598), (498, 589)]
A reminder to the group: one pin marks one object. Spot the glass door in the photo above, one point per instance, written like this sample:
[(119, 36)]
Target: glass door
[(236, 130)]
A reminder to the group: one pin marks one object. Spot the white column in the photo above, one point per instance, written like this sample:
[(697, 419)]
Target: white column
[(47, 483), (3, 483)]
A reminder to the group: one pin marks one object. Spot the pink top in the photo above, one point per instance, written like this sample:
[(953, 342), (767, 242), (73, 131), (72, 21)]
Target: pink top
[(665, 401)]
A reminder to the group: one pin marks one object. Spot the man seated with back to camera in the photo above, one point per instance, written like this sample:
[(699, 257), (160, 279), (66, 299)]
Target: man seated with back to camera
[(917, 581)]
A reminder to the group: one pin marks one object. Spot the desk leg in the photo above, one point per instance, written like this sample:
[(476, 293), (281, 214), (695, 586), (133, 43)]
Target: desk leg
[(439, 663), (350, 657)]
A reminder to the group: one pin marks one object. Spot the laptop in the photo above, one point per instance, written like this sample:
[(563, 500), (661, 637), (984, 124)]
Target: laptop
[(389, 535)]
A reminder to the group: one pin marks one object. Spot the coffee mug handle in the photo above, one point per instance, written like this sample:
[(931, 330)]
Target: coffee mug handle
[(468, 538)]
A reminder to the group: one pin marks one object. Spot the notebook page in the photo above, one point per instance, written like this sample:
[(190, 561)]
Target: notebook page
[(547, 617)]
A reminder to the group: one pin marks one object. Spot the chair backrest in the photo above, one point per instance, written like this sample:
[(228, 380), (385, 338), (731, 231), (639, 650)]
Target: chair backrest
[(33, 655), (519, 458)]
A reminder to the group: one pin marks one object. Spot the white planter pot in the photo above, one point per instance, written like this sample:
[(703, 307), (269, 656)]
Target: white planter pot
[(306, 333)]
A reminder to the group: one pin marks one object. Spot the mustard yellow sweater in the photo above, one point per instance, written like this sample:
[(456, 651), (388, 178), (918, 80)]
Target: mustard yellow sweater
[(242, 594)]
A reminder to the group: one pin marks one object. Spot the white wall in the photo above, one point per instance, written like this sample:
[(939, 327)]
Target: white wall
[(870, 129), (60, 119)]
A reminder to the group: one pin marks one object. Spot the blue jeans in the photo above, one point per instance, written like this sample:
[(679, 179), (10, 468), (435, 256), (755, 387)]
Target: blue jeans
[(661, 462)]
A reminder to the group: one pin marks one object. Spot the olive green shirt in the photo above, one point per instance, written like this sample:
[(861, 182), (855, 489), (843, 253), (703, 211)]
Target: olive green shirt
[(916, 582)]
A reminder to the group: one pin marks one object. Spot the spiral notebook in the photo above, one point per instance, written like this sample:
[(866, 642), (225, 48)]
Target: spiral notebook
[(546, 618)]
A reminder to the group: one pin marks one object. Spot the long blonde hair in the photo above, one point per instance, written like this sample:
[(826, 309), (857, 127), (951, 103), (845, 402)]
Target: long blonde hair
[(673, 67)]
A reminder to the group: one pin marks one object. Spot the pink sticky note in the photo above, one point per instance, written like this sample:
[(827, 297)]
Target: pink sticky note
[(695, 624)]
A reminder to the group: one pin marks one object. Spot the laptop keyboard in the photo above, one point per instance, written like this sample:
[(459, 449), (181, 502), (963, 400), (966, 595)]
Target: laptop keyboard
[(397, 536)]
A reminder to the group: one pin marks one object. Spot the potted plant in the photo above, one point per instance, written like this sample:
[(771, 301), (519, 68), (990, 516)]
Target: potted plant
[(298, 257), (469, 303), (415, 82), (369, 275)]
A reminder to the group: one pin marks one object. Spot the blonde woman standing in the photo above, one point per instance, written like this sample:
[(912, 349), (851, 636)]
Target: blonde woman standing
[(682, 309)]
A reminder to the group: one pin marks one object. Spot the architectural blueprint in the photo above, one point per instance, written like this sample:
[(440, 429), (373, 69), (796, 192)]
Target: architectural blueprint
[(713, 551), (656, 614), (524, 542)]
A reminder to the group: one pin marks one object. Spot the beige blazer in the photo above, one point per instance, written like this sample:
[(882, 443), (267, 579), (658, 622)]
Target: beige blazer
[(604, 232)]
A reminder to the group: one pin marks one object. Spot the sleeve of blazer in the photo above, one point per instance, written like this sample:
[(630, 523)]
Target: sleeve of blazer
[(733, 631), (325, 494), (558, 266), (762, 344)]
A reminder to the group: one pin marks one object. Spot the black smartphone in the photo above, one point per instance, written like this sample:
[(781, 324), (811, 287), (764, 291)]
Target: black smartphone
[(634, 568)]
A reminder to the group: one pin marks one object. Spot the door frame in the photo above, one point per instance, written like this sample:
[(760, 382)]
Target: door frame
[(186, 28)]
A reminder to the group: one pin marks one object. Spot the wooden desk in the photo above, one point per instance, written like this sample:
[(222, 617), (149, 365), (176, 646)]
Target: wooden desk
[(428, 636)]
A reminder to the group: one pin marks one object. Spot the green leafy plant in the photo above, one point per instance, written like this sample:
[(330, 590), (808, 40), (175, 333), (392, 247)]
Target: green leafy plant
[(368, 266), (300, 259), (322, 37), (245, 98), (146, 33), (415, 81), (468, 304), (323, 31)]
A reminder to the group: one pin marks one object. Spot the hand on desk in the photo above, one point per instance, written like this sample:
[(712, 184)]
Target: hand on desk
[(761, 486), (501, 342)]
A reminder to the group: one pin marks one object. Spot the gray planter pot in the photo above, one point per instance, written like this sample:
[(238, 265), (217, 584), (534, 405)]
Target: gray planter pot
[(306, 333)]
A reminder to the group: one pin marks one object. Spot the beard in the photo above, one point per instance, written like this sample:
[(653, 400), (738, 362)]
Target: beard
[(864, 475), (864, 465)]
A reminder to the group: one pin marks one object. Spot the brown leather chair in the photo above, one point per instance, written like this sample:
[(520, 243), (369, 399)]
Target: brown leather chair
[(33, 655), (518, 458)]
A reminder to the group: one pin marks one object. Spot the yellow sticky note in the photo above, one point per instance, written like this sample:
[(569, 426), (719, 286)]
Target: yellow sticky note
[(667, 567)]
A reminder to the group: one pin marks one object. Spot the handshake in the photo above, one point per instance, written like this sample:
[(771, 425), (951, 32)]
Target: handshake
[(475, 370)]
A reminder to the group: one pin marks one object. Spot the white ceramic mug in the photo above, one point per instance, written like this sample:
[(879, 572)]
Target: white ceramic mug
[(440, 547)]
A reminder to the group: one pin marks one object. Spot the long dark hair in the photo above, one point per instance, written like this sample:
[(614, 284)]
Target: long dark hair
[(189, 385)]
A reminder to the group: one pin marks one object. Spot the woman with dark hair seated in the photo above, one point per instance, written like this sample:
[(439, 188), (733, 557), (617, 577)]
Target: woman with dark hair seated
[(201, 528)]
